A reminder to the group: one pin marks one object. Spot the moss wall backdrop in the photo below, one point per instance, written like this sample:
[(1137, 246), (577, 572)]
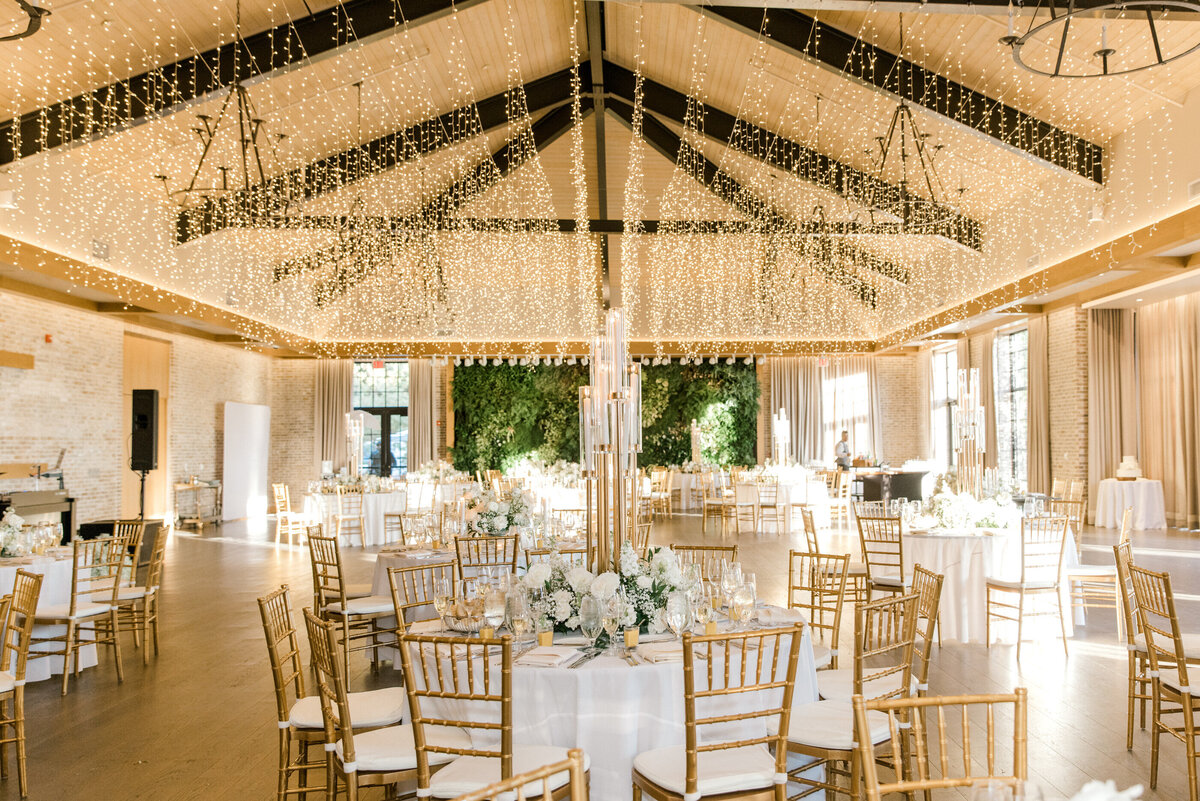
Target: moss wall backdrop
[(504, 413)]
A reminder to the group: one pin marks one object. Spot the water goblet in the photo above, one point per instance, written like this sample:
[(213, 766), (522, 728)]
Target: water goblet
[(494, 603), (443, 594), (678, 613), (591, 619)]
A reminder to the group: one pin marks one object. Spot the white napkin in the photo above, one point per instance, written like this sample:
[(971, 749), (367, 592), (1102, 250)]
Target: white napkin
[(421, 554), (425, 626), (661, 651), (548, 656), (778, 616)]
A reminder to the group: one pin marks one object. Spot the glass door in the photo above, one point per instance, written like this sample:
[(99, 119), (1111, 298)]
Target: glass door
[(371, 458), (398, 452)]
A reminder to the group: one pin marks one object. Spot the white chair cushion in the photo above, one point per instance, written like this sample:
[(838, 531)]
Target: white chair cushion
[(857, 569), (63, 611), (822, 655), (830, 724), (132, 593), (838, 685), (393, 748), (1191, 645), (1015, 584), (891, 581), (726, 771), (367, 709), (7, 681), (370, 605), (469, 773)]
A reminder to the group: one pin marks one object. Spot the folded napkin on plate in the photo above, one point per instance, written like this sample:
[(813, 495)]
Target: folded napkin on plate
[(426, 626), (778, 616), (661, 651), (548, 656)]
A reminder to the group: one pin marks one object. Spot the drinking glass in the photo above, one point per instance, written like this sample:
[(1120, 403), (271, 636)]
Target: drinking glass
[(731, 577), (614, 613), (678, 613), (1027, 791), (704, 609), (749, 580), (1028, 508), (990, 790), (741, 604), (443, 594), (516, 611), (494, 604), (591, 619)]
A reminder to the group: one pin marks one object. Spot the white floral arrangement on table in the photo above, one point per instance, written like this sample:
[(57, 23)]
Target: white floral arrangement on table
[(949, 509), (11, 541), (491, 513), (647, 584), (437, 471), (1107, 791), (561, 472)]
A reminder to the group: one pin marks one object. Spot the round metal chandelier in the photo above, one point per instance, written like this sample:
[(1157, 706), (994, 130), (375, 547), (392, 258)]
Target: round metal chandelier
[(1149, 52)]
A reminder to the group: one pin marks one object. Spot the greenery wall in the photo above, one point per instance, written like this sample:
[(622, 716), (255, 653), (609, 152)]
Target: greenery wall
[(504, 413)]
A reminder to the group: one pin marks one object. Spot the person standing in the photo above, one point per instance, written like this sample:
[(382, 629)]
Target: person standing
[(841, 452)]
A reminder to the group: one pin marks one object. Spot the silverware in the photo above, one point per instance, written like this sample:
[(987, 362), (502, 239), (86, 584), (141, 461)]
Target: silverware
[(587, 657)]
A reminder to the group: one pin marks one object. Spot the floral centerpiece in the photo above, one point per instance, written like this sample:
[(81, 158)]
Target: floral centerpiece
[(561, 473), (646, 583), (437, 471), (11, 542), (492, 513), (948, 508)]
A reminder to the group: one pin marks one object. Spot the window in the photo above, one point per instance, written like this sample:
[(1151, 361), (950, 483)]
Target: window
[(1011, 391), (381, 390), (943, 403), (846, 402)]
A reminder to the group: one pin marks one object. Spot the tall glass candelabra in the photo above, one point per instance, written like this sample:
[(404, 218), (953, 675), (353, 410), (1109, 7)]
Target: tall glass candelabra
[(781, 437), (354, 441), (610, 438), (970, 425)]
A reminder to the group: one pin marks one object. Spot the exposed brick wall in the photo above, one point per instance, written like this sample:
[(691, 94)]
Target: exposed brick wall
[(72, 398), (904, 423), (441, 395), (1067, 342), (764, 411)]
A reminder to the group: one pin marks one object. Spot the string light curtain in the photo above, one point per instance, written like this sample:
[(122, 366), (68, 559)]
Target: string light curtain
[(1038, 397), (1113, 427), (1168, 338)]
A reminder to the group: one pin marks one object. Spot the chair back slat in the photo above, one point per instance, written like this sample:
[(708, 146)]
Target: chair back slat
[(711, 558), (953, 723), (817, 586), (882, 544), (283, 650), (96, 571), (132, 532), (884, 635), (158, 555), (1160, 624), (283, 499), (927, 586), (413, 591), (476, 553), (326, 557), (1042, 542), (870, 509), (757, 671), (810, 530), (18, 622), (1123, 556)]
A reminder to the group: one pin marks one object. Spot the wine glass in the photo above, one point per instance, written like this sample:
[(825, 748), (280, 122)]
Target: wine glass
[(494, 604), (614, 613), (703, 610), (749, 580), (731, 578), (443, 594), (678, 613), (516, 609), (741, 603), (591, 619)]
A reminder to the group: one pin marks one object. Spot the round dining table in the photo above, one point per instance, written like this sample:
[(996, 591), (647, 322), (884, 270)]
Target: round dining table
[(56, 590)]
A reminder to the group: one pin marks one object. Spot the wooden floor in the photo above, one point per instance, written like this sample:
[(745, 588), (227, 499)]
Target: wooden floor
[(199, 722)]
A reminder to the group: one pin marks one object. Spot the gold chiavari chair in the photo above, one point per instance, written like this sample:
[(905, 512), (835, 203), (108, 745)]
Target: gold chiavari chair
[(1076, 491), (1075, 510), (817, 586), (354, 758), (1170, 686), (896, 714), (358, 618), (414, 502), (543, 781), (882, 541), (17, 612), (349, 520), (393, 528), (1042, 543), (715, 503), (413, 590), (301, 725), (856, 572), (138, 604), (884, 632), (870, 509), (458, 685), (286, 521), (674, 491), (769, 505), (90, 617), (476, 553), (641, 537), (352, 590), (492, 477), (660, 492), (132, 532), (1095, 586), (711, 558), (715, 676), (840, 495), (1058, 489), (745, 505), (698, 489)]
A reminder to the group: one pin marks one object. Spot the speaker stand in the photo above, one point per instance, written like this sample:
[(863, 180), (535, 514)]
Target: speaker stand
[(142, 495)]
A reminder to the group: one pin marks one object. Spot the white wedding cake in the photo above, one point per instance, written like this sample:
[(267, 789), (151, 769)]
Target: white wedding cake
[(1128, 469)]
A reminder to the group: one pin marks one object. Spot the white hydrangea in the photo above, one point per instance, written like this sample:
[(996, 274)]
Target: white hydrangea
[(580, 579), (499, 523), (537, 575), (503, 508), (605, 585), (562, 605)]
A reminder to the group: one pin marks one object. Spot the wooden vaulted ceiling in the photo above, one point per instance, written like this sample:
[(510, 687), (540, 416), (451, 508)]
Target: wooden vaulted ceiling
[(449, 57)]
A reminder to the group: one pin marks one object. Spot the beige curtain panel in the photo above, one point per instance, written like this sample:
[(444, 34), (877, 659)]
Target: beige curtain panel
[(420, 412), (987, 385), (1114, 430), (1038, 398), (796, 388), (334, 381), (1168, 355)]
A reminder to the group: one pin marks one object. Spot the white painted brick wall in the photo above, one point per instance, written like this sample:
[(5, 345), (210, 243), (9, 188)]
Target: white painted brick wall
[(904, 423), (1067, 342)]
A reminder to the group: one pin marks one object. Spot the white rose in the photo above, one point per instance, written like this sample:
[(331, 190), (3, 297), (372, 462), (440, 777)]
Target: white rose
[(493, 506), (562, 605), (537, 575), (604, 585), (503, 508), (499, 523), (580, 579), (572, 622), (520, 519), (644, 582), (657, 625)]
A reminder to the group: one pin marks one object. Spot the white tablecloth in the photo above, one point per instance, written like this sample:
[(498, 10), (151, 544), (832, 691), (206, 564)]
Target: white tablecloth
[(1145, 496), (812, 493), (374, 504), (614, 711), (685, 483), (967, 560), (56, 589)]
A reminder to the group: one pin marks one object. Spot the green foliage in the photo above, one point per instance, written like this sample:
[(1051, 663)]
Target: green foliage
[(503, 413)]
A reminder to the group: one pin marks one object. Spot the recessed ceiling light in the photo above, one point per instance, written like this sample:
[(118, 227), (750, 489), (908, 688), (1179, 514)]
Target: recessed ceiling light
[(1139, 300)]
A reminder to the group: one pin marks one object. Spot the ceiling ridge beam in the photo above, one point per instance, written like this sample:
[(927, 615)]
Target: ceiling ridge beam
[(725, 187), (171, 87), (251, 208), (805, 37), (789, 156)]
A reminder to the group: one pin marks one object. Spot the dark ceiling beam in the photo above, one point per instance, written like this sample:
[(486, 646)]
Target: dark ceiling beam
[(992, 7), (803, 36), (594, 25), (671, 146), (174, 86), (792, 157), (446, 204), (254, 208)]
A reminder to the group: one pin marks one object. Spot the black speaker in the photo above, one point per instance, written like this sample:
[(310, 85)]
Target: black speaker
[(143, 447)]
